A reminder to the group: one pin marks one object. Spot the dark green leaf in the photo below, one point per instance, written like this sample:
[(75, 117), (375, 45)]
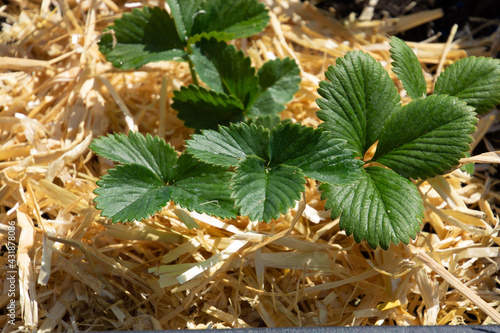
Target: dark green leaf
[(202, 108), (474, 80), (225, 69), (131, 192), (150, 152), (427, 137), (381, 208), (183, 13), (230, 144), (267, 121), (263, 193), (314, 151), (278, 81), (140, 37), (203, 188), (407, 67), (241, 18), (357, 101)]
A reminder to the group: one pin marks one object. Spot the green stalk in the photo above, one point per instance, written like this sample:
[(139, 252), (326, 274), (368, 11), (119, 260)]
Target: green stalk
[(193, 73)]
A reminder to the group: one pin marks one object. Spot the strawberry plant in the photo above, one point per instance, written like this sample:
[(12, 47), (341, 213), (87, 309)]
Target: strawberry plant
[(196, 32), (253, 171)]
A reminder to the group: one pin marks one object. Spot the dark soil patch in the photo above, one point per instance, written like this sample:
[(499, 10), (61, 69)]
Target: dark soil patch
[(471, 13)]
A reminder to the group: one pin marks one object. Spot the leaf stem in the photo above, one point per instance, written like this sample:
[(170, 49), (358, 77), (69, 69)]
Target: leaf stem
[(193, 73)]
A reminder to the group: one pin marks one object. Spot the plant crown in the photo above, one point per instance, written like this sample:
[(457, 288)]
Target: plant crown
[(246, 169)]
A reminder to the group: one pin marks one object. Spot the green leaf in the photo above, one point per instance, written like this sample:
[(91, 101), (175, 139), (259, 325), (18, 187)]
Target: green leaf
[(474, 80), (381, 208), (131, 192), (407, 68), (230, 144), (140, 37), (427, 137), (241, 18), (315, 152), (183, 13), (357, 101), (468, 167), (150, 152), (267, 121), (216, 35), (225, 69), (203, 108), (152, 175), (263, 193), (278, 81), (203, 188)]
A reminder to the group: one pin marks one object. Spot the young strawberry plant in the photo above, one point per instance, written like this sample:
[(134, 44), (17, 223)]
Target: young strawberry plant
[(422, 139), (253, 171), (196, 32), (236, 92)]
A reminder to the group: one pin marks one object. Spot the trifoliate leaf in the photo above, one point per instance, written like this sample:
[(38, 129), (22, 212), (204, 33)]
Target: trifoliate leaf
[(150, 152), (278, 81), (381, 208), (426, 137), (357, 100), (474, 80), (201, 187), (131, 192), (140, 37), (314, 151), (407, 68), (183, 13), (225, 69), (203, 108), (241, 18), (263, 193), (230, 144)]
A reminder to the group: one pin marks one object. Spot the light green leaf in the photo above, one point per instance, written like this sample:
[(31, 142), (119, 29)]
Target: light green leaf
[(202, 187), (263, 193), (468, 167), (216, 35), (131, 192), (427, 137), (278, 81), (381, 208), (140, 37), (314, 151), (241, 18), (230, 144), (203, 108), (150, 152), (225, 69), (407, 68), (357, 100), (183, 13), (474, 80)]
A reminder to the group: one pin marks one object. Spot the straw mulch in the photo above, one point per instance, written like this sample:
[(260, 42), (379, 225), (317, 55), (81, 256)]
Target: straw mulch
[(76, 271)]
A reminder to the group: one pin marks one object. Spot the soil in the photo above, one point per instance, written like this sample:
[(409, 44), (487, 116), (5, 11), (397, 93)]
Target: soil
[(468, 14)]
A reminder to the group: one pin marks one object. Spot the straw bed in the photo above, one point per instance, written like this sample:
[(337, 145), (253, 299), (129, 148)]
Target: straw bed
[(78, 272)]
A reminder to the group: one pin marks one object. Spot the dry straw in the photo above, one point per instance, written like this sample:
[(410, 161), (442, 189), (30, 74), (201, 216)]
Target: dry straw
[(76, 271)]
